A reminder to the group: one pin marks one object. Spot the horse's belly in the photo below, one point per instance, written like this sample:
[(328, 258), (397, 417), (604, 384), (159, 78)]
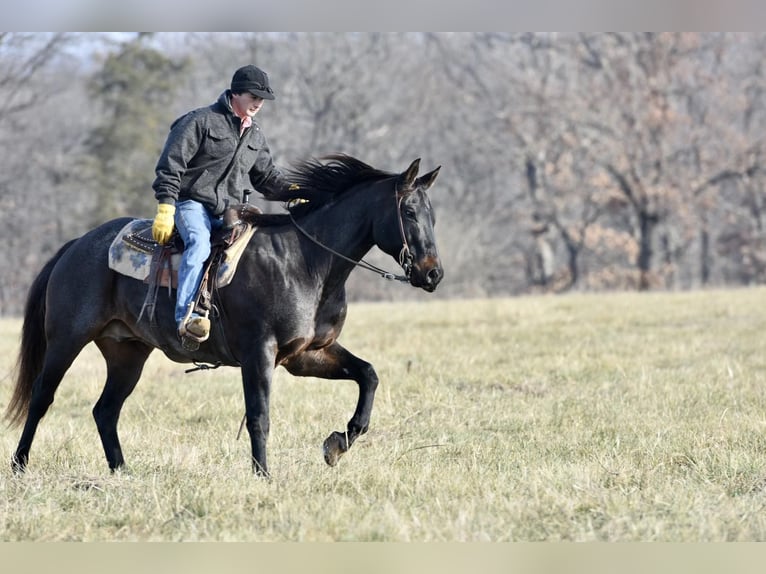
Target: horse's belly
[(311, 342)]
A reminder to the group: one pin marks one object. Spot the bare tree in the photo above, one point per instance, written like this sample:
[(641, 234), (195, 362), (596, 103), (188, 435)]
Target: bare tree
[(38, 179), (569, 161)]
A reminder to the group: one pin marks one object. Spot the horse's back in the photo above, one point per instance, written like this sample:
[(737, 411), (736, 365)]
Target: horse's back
[(80, 287)]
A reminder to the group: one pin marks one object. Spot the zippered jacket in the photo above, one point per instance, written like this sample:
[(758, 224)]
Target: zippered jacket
[(205, 159)]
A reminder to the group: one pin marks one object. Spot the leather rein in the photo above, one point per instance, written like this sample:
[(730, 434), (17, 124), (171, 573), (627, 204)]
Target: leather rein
[(405, 256)]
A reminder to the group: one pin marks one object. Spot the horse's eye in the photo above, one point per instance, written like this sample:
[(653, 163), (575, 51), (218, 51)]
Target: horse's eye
[(409, 213)]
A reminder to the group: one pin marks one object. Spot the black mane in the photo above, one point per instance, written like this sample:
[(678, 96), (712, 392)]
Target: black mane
[(320, 181)]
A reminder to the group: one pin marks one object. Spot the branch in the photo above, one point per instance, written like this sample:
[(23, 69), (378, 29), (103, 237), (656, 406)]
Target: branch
[(17, 80), (624, 184)]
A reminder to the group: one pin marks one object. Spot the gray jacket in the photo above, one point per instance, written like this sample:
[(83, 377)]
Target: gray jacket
[(205, 159)]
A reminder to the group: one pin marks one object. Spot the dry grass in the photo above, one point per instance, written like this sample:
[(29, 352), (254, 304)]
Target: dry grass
[(581, 417)]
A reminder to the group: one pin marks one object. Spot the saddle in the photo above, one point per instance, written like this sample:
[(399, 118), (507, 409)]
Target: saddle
[(143, 241), (135, 253)]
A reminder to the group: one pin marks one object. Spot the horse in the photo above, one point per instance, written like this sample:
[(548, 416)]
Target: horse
[(285, 306)]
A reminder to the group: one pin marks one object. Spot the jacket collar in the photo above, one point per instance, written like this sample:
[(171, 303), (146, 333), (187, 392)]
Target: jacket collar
[(224, 101)]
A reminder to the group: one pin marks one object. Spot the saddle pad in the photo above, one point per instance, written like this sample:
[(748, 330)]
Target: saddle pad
[(126, 260)]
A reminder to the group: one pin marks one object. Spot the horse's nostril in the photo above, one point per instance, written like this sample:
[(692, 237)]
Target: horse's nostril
[(435, 275)]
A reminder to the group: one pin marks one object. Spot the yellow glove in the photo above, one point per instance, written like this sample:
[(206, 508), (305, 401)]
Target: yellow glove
[(162, 227)]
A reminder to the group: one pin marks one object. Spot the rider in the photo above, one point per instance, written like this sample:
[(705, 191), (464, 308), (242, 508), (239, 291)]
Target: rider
[(210, 159)]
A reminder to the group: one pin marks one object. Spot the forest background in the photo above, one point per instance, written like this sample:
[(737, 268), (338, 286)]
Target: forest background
[(578, 161)]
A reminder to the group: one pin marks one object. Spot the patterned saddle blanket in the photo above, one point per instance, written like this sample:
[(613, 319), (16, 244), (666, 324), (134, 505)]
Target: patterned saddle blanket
[(134, 257)]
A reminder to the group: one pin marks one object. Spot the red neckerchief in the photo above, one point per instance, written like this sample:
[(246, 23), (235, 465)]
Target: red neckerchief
[(244, 123)]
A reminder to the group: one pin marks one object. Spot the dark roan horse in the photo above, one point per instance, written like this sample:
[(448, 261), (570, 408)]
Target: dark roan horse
[(285, 306)]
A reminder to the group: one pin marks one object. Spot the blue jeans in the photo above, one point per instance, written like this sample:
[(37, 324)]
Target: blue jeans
[(194, 224)]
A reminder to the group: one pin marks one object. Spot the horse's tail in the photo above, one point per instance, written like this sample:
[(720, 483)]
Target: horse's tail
[(33, 343)]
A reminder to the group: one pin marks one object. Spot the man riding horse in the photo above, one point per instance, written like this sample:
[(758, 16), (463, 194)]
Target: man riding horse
[(211, 158), (285, 306)]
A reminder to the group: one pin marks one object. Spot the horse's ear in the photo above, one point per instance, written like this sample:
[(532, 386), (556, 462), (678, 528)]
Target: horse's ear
[(426, 181), (408, 177)]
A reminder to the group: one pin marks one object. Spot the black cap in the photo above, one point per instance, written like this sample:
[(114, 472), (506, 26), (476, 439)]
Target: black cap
[(254, 80)]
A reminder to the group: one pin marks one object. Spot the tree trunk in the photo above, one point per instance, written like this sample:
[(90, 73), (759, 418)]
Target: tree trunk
[(647, 223)]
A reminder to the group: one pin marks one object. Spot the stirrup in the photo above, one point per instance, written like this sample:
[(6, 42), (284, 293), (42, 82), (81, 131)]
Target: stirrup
[(188, 343), (193, 330)]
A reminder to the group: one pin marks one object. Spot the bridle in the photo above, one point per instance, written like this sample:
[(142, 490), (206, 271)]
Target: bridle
[(405, 255)]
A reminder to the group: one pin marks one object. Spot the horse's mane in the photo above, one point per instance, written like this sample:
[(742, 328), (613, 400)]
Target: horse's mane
[(319, 181)]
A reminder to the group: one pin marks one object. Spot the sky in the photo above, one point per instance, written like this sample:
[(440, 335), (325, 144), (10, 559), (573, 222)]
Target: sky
[(392, 15)]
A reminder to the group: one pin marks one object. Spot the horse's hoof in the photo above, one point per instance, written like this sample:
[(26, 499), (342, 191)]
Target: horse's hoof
[(18, 466), (334, 447), (260, 470), (260, 473)]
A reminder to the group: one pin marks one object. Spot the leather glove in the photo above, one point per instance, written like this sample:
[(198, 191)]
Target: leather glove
[(162, 227)]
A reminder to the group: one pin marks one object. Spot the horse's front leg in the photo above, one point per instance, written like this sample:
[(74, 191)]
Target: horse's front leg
[(335, 362), (257, 373)]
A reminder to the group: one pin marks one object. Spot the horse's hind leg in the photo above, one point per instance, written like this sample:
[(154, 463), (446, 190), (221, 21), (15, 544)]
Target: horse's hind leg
[(124, 363), (335, 362), (58, 359)]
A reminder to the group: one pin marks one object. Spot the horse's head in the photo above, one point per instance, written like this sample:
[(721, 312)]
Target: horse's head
[(406, 230)]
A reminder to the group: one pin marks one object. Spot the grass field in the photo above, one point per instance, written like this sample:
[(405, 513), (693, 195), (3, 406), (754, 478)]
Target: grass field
[(621, 417)]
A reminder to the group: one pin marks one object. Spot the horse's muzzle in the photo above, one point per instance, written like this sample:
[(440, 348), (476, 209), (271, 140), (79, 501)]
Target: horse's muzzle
[(427, 274)]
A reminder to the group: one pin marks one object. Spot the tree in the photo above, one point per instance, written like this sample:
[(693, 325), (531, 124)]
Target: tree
[(636, 138), (22, 57), (37, 182), (134, 88), (570, 161)]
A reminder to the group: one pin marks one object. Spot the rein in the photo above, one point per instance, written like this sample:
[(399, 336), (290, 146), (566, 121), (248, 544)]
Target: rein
[(405, 257)]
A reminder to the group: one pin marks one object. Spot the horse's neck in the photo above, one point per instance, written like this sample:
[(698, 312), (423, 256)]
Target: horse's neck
[(345, 227)]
